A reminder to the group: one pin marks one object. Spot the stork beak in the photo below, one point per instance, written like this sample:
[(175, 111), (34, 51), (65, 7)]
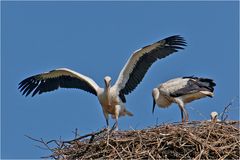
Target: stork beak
[(109, 85), (106, 83), (215, 118), (154, 103)]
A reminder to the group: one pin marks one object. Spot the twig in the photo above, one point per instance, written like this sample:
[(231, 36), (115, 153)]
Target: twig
[(75, 133), (195, 140), (224, 115), (85, 136), (115, 151)]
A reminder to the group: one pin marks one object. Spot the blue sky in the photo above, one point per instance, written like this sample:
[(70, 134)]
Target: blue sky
[(96, 39)]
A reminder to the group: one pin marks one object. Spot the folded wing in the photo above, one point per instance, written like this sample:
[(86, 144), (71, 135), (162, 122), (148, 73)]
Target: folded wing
[(194, 85)]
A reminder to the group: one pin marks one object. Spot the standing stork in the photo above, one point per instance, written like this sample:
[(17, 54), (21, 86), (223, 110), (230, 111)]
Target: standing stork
[(181, 91), (111, 98)]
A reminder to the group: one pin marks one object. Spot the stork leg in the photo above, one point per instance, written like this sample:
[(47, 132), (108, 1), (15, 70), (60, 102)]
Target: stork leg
[(186, 117), (106, 118), (116, 123), (184, 113), (107, 122), (117, 111), (181, 113)]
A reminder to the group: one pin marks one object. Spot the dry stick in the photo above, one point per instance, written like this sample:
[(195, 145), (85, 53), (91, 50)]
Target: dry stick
[(115, 150), (75, 133), (226, 109), (204, 144), (211, 129), (225, 112), (33, 139), (45, 144), (199, 156), (87, 135), (150, 155), (90, 141), (147, 138), (227, 154), (42, 142)]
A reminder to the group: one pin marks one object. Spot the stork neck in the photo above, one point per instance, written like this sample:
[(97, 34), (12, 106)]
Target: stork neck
[(155, 94), (107, 93), (107, 88)]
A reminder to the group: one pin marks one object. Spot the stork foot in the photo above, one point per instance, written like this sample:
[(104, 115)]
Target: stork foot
[(115, 127)]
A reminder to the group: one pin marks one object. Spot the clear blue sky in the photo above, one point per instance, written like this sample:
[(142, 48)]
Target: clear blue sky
[(96, 39)]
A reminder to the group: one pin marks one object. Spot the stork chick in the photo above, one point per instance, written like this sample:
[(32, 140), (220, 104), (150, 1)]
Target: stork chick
[(214, 117)]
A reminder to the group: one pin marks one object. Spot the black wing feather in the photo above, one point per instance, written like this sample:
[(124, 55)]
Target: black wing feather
[(194, 86), (171, 44), (204, 82), (38, 86)]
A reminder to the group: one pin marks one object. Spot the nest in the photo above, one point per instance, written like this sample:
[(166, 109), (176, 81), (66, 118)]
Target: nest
[(198, 140)]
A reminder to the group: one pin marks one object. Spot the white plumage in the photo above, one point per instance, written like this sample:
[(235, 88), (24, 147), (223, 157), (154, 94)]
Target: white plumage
[(181, 91), (214, 117), (111, 98)]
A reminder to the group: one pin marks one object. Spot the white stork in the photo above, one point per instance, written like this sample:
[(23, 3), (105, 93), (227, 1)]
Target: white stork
[(111, 98), (214, 117), (181, 91)]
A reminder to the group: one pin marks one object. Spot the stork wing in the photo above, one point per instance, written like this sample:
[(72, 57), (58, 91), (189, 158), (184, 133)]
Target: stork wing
[(59, 78), (194, 85), (140, 61), (190, 88)]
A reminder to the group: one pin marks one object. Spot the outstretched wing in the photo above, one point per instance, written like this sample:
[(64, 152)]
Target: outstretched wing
[(59, 78), (142, 59)]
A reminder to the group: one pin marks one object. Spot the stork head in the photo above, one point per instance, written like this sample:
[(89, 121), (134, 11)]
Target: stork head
[(107, 81), (213, 116), (155, 95)]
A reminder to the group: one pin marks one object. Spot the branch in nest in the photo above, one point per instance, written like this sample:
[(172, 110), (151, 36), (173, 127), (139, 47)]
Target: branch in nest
[(224, 115)]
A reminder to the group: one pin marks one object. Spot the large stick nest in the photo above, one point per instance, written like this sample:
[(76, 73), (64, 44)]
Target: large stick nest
[(199, 140)]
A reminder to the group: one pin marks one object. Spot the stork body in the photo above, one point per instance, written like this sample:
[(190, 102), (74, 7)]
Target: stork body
[(111, 98), (182, 91)]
